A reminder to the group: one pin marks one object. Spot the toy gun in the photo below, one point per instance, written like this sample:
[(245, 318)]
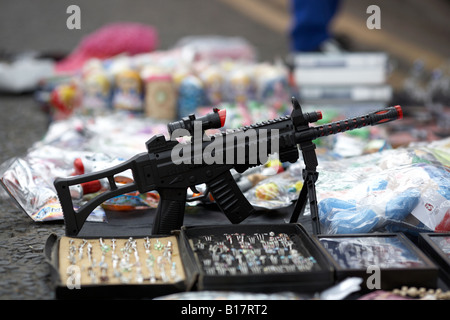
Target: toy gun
[(171, 167)]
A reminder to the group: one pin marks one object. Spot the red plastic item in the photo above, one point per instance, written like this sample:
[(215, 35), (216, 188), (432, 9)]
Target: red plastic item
[(399, 111), (223, 116), (319, 115), (109, 41)]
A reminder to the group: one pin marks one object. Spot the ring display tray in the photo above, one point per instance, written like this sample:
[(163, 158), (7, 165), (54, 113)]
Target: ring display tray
[(437, 247), (255, 258), (398, 260), (115, 267), (244, 257)]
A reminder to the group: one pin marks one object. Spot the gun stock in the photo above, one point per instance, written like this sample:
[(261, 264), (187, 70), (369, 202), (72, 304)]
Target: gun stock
[(74, 219)]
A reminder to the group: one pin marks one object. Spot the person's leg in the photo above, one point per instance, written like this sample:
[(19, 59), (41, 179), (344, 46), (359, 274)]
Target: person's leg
[(310, 22)]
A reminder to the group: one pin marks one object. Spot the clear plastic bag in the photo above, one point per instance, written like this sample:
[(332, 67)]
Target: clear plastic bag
[(100, 143), (29, 181), (404, 190), (277, 191)]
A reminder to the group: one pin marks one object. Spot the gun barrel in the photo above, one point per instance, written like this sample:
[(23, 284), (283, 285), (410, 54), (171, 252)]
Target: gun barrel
[(371, 119)]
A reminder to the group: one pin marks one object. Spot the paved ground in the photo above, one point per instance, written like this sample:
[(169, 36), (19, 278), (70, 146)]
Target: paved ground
[(411, 29)]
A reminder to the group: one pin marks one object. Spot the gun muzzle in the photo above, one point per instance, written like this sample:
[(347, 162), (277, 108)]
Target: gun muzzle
[(371, 119)]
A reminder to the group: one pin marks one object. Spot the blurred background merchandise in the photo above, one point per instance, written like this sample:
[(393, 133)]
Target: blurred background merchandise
[(411, 50)]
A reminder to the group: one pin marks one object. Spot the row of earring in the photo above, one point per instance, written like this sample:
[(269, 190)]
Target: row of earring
[(257, 253), (127, 264)]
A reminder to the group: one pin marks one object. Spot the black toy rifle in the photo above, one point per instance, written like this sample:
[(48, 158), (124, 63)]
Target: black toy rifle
[(157, 170)]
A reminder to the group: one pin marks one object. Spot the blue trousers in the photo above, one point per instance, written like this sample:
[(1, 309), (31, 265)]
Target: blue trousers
[(310, 20)]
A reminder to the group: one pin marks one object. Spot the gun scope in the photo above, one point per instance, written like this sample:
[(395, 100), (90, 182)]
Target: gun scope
[(212, 120)]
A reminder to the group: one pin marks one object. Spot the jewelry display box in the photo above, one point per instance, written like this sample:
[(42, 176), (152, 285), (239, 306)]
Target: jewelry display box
[(141, 267), (437, 247), (398, 261), (255, 258), (246, 257)]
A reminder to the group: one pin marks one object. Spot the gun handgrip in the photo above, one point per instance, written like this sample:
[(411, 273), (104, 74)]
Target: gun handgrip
[(170, 211), (229, 198)]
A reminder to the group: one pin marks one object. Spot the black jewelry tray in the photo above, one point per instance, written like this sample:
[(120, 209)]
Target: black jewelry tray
[(437, 247), (226, 272), (103, 291), (399, 261)]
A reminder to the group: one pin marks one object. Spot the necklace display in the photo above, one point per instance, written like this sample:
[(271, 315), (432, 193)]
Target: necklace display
[(120, 261), (256, 254), (422, 293), (359, 253)]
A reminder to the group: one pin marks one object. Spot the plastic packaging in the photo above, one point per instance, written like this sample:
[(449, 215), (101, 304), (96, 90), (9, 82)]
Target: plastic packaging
[(205, 71), (191, 95), (342, 289), (395, 190), (97, 90), (128, 93), (75, 146), (230, 295), (24, 73), (29, 181), (215, 48), (361, 252), (276, 191)]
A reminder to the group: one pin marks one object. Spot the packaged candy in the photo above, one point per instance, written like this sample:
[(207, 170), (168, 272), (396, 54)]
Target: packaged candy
[(240, 86), (272, 86), (130, 202), (267, 191), (213, 80), (190, 95), (160, 97), (277, 190), (96, 93), (65, 99), (128, 91)]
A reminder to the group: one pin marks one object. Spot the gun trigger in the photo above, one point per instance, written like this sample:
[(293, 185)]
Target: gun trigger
[(194, 189)]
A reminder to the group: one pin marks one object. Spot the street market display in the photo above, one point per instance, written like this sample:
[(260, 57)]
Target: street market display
[(367, 205)]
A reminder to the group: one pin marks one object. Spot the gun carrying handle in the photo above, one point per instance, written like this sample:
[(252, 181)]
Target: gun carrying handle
[(170, 211)]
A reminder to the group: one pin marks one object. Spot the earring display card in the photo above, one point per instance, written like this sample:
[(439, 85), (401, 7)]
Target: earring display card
[(437, 247), (256, 258), (123, 264), (399, 261)]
